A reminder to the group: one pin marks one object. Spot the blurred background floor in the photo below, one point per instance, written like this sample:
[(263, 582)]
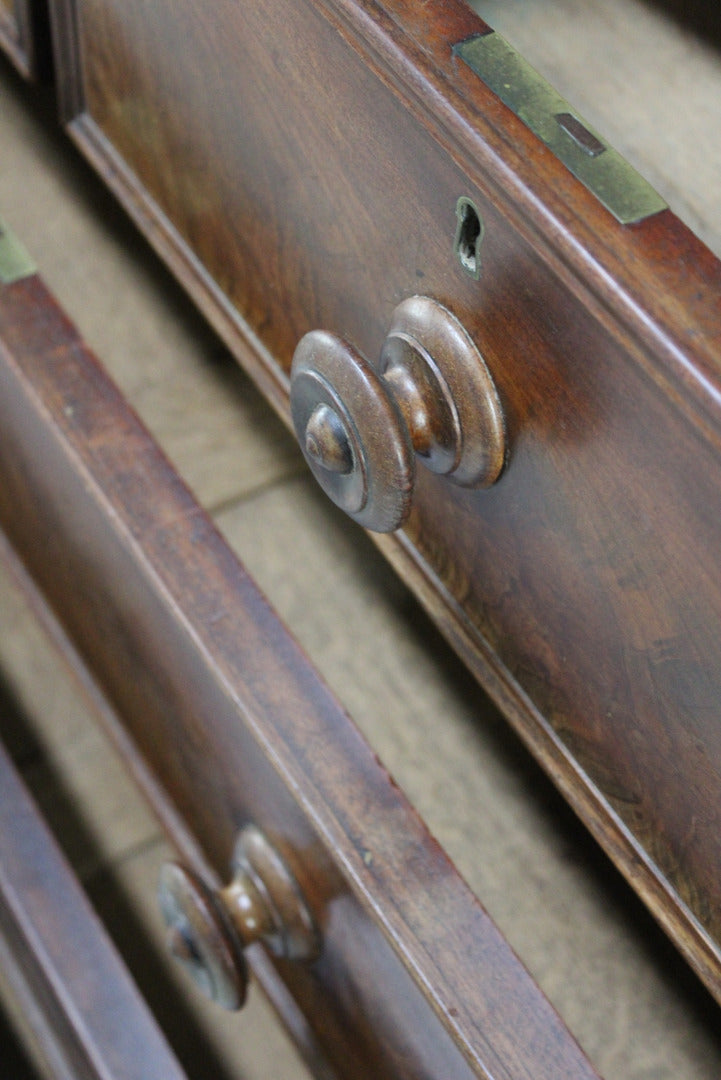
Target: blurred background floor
[(628, 998)]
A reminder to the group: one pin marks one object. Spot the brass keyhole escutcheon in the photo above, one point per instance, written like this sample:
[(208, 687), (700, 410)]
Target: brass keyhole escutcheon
[(207, 931), (430, 397)]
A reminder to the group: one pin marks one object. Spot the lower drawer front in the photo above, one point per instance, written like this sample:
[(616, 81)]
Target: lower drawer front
[(227, 725), (295, 184), (78, 1002)]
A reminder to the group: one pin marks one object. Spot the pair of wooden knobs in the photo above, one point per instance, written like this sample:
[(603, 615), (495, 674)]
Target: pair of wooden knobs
[(361, 426), (208, 930)]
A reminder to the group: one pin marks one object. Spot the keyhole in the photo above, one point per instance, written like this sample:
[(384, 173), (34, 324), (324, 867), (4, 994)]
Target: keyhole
[(469, 234)]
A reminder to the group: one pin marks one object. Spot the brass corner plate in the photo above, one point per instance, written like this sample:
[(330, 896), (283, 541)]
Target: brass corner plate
[(15, 262), (600, 168)]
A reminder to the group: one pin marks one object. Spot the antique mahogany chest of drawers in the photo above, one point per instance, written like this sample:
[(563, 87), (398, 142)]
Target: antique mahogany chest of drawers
[(378, 189)]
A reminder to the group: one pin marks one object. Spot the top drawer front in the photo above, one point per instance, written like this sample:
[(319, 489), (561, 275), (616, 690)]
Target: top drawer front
[(273, 147)]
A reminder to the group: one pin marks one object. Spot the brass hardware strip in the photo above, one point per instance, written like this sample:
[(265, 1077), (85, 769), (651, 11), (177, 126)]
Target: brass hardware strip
[(615, 183), (15, 263)]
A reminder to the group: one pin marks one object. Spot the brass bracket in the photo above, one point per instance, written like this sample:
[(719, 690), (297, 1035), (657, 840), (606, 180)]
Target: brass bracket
[(15, 263), (600, 168)]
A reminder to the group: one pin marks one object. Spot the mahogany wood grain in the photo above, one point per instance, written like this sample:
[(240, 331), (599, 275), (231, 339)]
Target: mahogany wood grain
[(302, 172), (413, 980), (74, 991)]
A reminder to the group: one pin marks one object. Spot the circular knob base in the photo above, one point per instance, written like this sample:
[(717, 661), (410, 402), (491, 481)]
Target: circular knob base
[(200, 938), (207, 931), (351, 432), (361, 427), (428, 348)]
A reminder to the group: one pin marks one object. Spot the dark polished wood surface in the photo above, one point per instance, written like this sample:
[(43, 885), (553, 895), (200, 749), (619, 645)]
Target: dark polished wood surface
[(13, 36), (76, 996), (25, 36), (303, 173), (413, 979)]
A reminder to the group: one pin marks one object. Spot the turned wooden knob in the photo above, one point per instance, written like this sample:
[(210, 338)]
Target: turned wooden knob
[(361, 427), (208, 931)]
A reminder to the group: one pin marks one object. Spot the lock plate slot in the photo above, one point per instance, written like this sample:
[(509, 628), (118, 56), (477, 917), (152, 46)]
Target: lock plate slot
[(600, 168)]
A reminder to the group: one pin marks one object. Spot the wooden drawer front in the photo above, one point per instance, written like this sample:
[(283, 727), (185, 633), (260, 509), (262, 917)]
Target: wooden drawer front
[(77, 998), (15, 33), (25, 37), (413, 980), (300, 169)]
